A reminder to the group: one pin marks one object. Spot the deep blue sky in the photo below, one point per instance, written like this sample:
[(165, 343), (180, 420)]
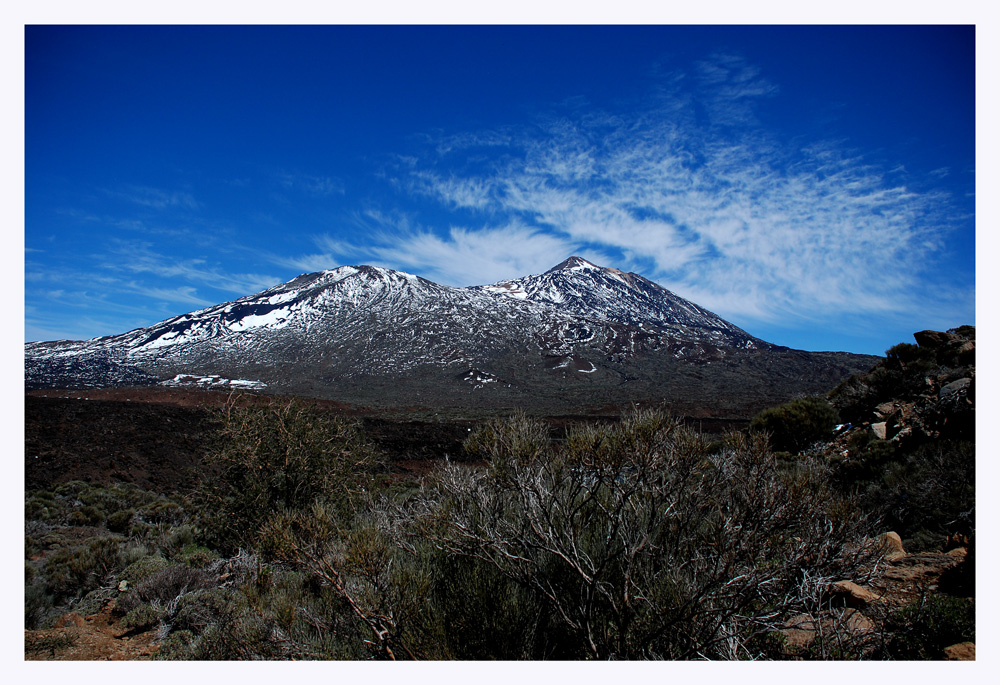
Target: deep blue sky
[(814, 185)]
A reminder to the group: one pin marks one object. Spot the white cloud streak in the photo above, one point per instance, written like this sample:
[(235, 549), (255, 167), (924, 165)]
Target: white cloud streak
[(317, 186), (718, 211), (156, 198), (459, 257), (139, 257)]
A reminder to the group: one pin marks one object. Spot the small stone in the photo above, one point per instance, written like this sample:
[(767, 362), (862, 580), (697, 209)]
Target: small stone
[(123, 586), (963, 651), (799, 632), (858, 622), (893, 546), (879, 430), (852, 594)]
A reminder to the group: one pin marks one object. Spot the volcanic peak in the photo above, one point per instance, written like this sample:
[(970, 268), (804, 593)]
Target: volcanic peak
[(574, 263)]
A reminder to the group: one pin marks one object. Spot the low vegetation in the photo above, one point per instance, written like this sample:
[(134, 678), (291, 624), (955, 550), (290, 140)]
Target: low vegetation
[(639, 539)]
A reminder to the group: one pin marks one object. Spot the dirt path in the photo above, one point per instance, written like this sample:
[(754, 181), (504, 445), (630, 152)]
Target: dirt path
[(88, 638)]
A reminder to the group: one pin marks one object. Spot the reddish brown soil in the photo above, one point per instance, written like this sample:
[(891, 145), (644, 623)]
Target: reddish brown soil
[(88, 638)]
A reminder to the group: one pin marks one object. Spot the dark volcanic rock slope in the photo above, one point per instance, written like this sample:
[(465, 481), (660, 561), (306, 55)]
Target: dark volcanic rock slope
[(576, 335)]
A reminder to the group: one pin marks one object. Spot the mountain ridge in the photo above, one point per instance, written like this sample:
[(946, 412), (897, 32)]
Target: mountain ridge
[(578, 334)]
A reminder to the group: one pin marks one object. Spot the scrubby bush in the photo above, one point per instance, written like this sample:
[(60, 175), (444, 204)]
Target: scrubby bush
[(382, 591), (120, 521), (196, 555), (280, 456), (197, 610), (910, 357), (86, 516), (141, 618), (143, 567), (163, 586), (237, 632), (924, 492), (636, 542), (37, 603), (74, 571), (176, 646), (795, 425), (40, 506), (489, 616)]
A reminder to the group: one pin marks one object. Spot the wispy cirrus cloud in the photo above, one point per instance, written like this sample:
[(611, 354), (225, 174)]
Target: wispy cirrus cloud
[(459, 257), (184, 294), (155, 198), (317, 186), (140, 257), (713, 207), (95, 299)]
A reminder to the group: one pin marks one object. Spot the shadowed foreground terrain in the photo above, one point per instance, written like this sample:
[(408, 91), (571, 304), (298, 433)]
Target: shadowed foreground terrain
[(195, 525)]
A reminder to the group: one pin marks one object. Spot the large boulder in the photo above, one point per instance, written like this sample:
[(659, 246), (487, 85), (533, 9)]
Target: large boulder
[(954, 387), (932, 339)]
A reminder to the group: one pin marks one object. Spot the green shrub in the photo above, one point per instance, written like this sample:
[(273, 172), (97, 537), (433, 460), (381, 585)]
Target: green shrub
[(162, 511), (199, 609), (795, 425), (238, 632), (95, 600), (163, 586), (40, 507), (131, 552), (176, 646), (910, 357), (49, 644), (632, 541), (923, 629), (487, 615), (143, 568), (280, 457), (37, 603), (196, 556), (120, 521), (141, 618)]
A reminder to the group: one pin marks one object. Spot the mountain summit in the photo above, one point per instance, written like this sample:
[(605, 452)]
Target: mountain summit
[(588, 290), (578, 334), (574, 264)]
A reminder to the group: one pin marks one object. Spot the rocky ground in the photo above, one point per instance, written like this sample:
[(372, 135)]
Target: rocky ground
[(856, 609), (155, 438), (854, 612), (907, 445)]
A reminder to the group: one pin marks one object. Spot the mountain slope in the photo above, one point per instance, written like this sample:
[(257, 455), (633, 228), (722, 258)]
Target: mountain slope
[(583, 288), (576, 335)]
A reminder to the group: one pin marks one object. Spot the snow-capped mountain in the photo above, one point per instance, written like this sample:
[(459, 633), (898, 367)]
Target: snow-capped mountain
[(582, 288), (370, 335)]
